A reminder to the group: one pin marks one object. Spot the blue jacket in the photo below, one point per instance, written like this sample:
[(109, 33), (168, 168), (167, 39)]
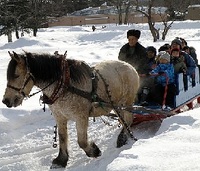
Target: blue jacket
[(190, 63), (168, 73)]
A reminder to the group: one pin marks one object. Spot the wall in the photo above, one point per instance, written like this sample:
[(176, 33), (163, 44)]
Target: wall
[(98, 19), (193, 12)]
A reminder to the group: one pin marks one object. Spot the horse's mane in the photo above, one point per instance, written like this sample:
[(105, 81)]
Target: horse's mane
[(45, 67)]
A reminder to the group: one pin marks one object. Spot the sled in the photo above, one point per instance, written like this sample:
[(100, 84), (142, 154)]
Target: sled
[(183, 99), (140, 113)]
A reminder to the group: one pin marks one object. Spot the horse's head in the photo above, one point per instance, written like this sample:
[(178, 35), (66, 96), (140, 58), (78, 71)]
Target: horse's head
[(19, 81)]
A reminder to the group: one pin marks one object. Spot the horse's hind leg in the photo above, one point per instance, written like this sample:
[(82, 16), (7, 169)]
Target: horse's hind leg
[(124, 134), (90, 149), (61, 160)]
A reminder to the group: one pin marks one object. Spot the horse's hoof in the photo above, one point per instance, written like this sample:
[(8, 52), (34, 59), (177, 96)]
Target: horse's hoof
[(59, 162), (94, 151), (122, 139), (56, 166)]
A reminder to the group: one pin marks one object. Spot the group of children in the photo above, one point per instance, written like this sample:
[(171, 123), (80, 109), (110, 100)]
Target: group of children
[(170, 61)]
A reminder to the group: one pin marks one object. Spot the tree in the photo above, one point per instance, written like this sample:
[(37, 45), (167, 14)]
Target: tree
[(37, 16), (167, 24), (176, 9), (7, 19), (148, 14), (168, 17), (123, 7), (127, 7), (120, 11), (22, 15)]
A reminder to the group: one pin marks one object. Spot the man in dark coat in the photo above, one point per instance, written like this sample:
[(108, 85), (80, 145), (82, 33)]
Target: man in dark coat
[(136, 55)]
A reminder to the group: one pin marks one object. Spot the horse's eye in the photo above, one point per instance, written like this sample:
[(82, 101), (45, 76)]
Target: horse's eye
[(16, 76)]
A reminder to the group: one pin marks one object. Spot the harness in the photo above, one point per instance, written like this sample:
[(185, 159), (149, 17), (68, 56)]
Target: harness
[(27, 78), (90, 96), (64, 84)]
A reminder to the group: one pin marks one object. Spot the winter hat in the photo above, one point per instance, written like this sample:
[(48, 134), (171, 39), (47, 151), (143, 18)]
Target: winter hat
[(152, 49), (134, 32), (164, 47), (177, 41), (164, 55)]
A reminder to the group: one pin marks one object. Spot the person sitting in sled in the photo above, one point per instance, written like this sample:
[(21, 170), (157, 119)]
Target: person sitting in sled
[(165, 47), (179, 67), (151, 54), (147, 91), (164, 84), (188, 60), (136, 55)]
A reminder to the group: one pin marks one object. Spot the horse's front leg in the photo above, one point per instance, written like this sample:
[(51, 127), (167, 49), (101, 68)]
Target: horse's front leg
[(62, 159), (90, 149)]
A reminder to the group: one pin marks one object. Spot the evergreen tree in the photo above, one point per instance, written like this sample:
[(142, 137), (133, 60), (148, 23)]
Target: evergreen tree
[(6, 19)]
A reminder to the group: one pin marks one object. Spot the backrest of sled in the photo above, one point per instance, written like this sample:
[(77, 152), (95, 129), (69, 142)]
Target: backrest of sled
[(193, 90)]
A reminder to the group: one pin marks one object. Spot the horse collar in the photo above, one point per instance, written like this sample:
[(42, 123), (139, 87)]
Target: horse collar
[(62, 83)]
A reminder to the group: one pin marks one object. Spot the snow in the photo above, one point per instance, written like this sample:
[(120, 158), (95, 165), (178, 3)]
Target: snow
[(26, 132)]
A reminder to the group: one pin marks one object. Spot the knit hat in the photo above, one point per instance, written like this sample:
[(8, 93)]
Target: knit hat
[(164, 55), (177, 41), (134, 32), (152, 49), (164, 47)]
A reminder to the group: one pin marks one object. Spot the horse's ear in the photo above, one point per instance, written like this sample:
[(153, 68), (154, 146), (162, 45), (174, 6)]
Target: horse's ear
[(14, 56)]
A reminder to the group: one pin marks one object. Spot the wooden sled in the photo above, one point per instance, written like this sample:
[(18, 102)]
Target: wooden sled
[(140, 113)]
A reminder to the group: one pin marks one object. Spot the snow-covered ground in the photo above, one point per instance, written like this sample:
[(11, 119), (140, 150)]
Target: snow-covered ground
[(26, 132)]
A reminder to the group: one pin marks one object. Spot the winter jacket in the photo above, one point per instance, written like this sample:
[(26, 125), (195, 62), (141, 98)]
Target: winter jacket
[(152, 63), (164, 73), (179, 64), (190, 63), (136, 56), (193, 54)]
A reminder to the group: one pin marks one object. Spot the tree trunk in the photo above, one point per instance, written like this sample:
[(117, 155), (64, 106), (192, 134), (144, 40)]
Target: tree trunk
[(154, 31), (166, 29), (127, 13), (35, 32), (17, 33), (120, 14), (9, 36), (120, 18)]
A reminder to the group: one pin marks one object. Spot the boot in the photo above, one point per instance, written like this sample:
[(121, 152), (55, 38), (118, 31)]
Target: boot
[(144, 95)]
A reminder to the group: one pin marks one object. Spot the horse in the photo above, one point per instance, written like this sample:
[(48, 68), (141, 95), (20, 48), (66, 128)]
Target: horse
[(70, 88)]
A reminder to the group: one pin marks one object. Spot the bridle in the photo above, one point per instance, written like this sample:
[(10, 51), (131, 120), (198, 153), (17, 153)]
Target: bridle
[(27, 79), (64, 80)]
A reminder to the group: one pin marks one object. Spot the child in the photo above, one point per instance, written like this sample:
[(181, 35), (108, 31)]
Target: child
[(165, 86)]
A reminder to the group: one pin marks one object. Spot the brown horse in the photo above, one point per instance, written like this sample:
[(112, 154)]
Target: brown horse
[(70, 88)]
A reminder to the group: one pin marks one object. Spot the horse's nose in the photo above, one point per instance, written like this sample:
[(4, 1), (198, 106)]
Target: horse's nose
[(6, 101)]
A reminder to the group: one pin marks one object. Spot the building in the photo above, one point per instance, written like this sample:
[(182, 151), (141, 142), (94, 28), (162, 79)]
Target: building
[(193, 12)]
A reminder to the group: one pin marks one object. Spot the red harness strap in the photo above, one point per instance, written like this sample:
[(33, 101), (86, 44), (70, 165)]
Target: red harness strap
[(62, 83)]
